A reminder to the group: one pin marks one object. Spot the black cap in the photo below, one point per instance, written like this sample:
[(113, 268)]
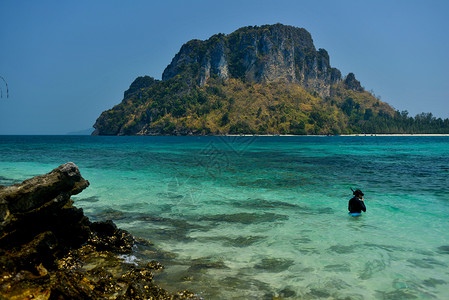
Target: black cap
[(358, 192)]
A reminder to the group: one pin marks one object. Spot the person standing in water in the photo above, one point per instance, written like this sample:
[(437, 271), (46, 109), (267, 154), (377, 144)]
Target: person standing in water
[(356, 205)]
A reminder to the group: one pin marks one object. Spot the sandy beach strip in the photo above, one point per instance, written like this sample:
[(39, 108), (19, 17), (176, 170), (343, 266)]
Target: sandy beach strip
[(397, 134), (350, 135)]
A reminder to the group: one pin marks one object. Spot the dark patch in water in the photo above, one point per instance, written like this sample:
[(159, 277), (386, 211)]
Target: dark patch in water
[(394, 208), (203, 264), (179, 224), (243, 241), (8, 181), (424, 252), (338, 268), (432, 282), (147, 251), (351, 297), (340, 249), (169, 234), (88, 199), (443, 249), (240, 242), (396, 295), (245, 218), (324, 210), (110, 214), (426, 263), (287, 293), (304, 240), (242, 283), (315, 211), (319, 293), (178, 229), (266, 204), (401, 284), (328, 289), (137, 206), (372, 267), (274, 265), (263, 204), (308, 251), (307, 270), (170, 195), (387, 248)]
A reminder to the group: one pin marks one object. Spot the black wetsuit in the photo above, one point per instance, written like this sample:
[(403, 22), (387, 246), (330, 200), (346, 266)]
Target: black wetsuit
[(356, 206)]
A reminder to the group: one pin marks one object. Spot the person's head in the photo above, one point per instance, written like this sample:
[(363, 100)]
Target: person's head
[(358, 193)]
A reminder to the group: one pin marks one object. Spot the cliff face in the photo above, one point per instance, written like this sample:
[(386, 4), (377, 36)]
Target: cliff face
[(270, 53)]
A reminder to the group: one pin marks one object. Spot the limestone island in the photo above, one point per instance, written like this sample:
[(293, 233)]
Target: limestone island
[(264, 80)]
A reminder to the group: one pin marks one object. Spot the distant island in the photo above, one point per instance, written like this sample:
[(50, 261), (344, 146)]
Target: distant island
[(81, 132), (256, 80)]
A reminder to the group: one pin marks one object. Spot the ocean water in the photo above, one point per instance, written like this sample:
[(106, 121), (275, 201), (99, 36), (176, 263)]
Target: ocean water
[(266, 217)]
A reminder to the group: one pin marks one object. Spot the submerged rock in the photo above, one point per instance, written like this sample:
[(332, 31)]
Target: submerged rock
[(245, 218), (270, 264), (443, 249), (50, 250), (106, 236), (205, 263)]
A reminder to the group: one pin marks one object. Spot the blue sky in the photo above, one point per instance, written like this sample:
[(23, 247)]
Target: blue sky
[(67, 61)]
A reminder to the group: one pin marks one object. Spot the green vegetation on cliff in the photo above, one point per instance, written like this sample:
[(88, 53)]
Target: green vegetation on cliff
[(257, 80), (237, 107)]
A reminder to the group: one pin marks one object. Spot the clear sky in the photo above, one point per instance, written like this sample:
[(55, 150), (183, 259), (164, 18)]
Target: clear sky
[(67, 61)]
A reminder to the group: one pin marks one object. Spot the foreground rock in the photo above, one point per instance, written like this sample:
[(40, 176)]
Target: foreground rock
[(50, 250)]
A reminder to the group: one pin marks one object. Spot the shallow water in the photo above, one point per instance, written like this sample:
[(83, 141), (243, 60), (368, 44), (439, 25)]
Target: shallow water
[(264, 217)]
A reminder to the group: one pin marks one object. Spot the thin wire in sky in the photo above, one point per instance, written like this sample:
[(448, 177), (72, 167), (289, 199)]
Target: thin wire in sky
[(7, 89)]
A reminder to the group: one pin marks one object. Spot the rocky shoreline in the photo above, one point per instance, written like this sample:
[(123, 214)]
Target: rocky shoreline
[(50, 250)]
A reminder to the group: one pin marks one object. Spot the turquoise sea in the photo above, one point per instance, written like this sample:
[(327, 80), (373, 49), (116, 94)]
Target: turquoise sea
[(265, 217)]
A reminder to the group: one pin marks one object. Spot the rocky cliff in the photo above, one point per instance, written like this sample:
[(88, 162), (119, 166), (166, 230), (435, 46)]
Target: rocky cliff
[(50, 250), (265, 54)]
